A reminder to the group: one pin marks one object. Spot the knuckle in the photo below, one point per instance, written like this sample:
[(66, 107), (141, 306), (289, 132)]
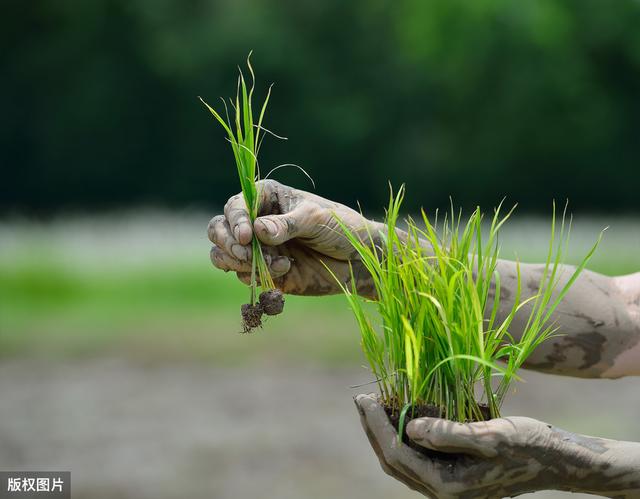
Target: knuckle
[(268, 183), (231, 201), (317, 216), (211, 226), (215, 221), (240, 215)]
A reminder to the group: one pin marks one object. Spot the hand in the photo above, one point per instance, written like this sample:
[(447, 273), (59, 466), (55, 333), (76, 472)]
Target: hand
[(300, 235), (499, 458)]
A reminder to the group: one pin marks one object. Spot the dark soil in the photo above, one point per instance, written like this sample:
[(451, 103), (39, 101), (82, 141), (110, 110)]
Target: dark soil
[(251, 317), (272, 301), (422, 411)]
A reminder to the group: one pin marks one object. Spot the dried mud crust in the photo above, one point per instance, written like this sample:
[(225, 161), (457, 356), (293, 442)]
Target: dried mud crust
[(423, 411), (270, 302)]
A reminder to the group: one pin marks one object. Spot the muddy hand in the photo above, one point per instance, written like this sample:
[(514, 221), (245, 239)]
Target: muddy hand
[(500, 458), (299, 234)]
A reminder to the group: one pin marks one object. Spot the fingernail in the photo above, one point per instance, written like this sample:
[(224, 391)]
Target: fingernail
[(280, 264), (236, 232), (240, 252)]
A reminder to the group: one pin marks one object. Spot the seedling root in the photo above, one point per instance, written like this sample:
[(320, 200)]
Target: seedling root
[(251, 317), (270, 302)]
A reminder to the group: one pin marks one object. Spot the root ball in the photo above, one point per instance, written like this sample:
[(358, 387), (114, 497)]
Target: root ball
[(272, 301), (251, 316)]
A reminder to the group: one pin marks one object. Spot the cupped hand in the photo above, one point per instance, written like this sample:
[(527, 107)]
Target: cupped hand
[(502, 457), (299, 234)]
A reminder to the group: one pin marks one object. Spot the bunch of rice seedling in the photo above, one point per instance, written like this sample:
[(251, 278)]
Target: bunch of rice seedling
[(434, 344), (245, 136)]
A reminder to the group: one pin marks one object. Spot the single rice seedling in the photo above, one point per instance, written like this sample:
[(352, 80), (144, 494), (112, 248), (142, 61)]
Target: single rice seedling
[(245, 136), (435, 338)]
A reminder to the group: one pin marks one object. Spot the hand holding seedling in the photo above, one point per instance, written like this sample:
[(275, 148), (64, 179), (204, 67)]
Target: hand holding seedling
[(303, 217), (502, 457), (599, 318), (299, 236)]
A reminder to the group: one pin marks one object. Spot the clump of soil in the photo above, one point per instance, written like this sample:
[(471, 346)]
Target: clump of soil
[(251, 317), (270, 302), (423, 411)]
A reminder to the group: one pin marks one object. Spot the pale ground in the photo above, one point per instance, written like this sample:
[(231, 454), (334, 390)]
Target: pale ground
[(180, 430)]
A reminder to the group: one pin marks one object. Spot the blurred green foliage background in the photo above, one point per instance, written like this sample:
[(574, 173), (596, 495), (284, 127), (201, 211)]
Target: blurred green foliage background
[(473, 99)]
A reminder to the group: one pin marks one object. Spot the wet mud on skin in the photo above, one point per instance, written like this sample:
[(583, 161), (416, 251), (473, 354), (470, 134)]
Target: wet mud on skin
[(591, 444), (584, 349), (596, 321)]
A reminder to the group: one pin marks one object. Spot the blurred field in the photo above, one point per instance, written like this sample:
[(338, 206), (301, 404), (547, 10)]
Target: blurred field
[(121, 360), (142, 286)]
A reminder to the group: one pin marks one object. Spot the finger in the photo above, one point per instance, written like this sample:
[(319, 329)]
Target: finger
[(396, 459), (269, 194), (278, 265), (238, 218), (274, 197), (220, 235), (278, 229), (376, 424), (480, 439), (245, 277), (224, 261)]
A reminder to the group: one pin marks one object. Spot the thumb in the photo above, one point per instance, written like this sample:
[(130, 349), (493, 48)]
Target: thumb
[(274, 230), (480, 439)]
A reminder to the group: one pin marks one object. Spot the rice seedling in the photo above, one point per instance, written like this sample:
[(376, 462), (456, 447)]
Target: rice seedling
[(245, 136), (434, 338)]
